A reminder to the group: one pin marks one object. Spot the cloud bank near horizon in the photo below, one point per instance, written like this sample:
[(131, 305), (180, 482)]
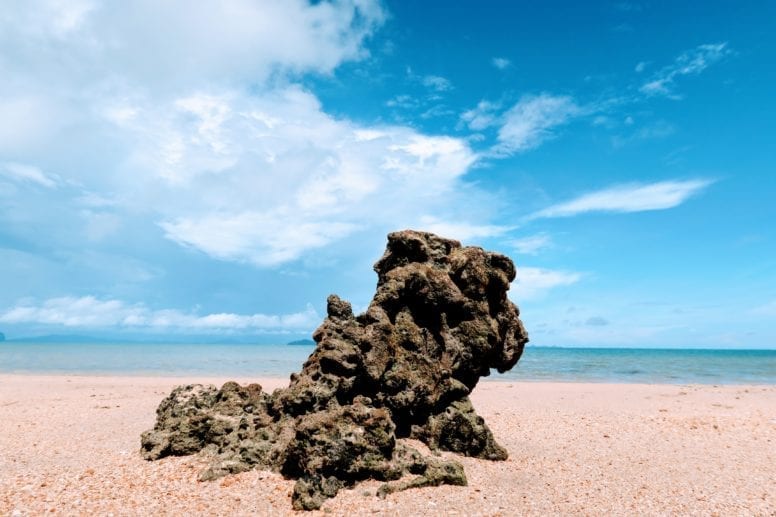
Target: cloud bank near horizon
[(89, 312)]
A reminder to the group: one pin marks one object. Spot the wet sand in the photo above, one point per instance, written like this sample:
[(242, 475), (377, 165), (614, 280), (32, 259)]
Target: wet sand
[(69, 446)]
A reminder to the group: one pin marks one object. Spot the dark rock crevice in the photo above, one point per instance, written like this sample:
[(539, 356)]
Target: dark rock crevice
[(439, 321)]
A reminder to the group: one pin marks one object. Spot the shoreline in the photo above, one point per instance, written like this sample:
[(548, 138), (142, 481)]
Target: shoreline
[(243, 379), (71, 446)]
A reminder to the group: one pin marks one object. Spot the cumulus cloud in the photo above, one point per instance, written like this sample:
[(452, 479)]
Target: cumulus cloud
[(201, 129), (532, 282), (532, 120), (629, 198), (91, 312), (263, 180), (690, 62), (177, 43)]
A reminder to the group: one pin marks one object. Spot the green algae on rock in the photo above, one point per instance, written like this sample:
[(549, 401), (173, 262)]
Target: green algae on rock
[(440, 319)]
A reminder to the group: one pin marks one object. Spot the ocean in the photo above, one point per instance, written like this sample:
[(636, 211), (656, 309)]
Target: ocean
[(618, 365)]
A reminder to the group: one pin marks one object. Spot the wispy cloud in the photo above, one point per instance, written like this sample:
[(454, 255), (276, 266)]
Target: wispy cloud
[(532, 282), (24, 172), (91, 312), (532, 120), (460, 230), (691, 62), (655, 130), (501, 63), (532, 244), (628, 198), (403, 101), (483, 116), (437, 83)]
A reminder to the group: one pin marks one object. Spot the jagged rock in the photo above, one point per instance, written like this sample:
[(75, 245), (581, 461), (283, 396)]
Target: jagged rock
[(439, 321)]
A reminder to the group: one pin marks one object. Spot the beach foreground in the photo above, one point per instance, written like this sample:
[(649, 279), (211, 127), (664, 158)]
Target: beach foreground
[(70, 445)]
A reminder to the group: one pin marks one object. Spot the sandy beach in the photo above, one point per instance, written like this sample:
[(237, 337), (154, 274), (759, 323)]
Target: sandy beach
[(69, 446)]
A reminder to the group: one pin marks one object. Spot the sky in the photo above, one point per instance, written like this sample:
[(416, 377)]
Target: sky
[(178, 169)]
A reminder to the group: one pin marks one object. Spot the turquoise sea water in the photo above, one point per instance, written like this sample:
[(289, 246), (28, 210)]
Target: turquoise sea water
[(537, 363)]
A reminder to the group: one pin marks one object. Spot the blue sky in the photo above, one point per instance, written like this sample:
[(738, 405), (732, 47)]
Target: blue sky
[(178, 169)]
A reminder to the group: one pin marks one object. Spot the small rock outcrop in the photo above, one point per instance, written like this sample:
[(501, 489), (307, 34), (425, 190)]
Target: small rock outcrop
[(439, 321)]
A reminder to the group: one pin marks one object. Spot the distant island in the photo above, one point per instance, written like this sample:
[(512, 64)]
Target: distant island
[(2, 337), (302, 342)]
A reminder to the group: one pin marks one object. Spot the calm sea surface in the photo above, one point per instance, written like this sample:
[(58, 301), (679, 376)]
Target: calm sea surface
[(537, 363)]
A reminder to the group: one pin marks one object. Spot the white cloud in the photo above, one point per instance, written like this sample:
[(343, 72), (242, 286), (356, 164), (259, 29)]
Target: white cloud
[(23, 172), (55, 19), (263, 239), (640, 66), (482, 117), (691, 62), (531, 121), (175, 137), (501, 63), (460, 231), (239, 190), (629, 198), (532, 282), (532, 244), (403, 101), (439, 110), (437, 83), (188, 43), (69, 65), (91, 312)]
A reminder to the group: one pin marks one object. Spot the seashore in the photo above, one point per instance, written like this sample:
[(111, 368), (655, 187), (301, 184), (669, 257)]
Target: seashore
[(70, 446)]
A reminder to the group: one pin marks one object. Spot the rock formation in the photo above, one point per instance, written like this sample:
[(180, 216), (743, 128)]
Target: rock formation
[(439, 321)]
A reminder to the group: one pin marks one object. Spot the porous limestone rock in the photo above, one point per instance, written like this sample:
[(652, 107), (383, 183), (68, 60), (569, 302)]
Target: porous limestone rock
[(439, 321)]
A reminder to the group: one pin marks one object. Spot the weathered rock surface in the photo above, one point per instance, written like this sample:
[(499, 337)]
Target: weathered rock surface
[(439, 321)]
